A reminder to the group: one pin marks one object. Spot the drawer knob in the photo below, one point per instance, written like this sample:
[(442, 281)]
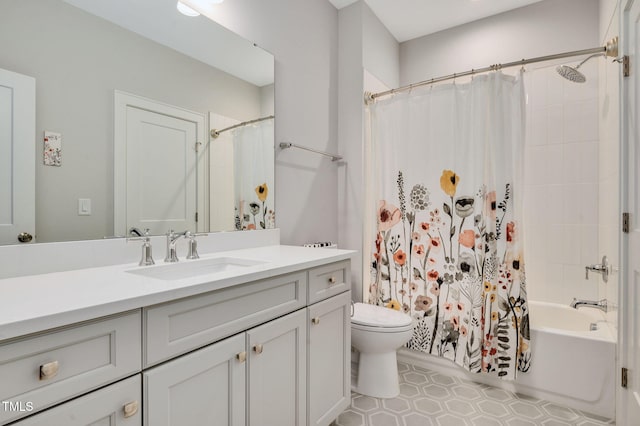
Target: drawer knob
[(315, 321), (49, 370), (258, 349), (242, 356), (332, 280), (130, 409)]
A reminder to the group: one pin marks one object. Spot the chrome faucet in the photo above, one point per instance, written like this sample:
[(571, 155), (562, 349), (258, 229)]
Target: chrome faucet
[(147, 255), (601, 304), (603, 268), (172, 239)]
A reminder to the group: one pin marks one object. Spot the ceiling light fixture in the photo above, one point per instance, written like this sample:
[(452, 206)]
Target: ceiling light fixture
[(186, 10)]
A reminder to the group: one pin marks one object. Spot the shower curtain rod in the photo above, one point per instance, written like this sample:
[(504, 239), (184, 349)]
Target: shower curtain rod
[(611, 49), (215, 133)]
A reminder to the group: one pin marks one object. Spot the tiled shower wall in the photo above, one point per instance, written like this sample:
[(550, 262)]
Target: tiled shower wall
[(561, 184)]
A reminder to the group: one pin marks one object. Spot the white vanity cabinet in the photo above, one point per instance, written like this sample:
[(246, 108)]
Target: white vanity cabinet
[(256, 378), (291, 370), (272, 351)]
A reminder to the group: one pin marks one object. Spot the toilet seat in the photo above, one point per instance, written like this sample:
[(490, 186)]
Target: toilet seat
[(378, 318)]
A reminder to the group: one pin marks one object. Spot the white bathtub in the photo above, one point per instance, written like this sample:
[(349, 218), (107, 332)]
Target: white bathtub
[(571, 364)]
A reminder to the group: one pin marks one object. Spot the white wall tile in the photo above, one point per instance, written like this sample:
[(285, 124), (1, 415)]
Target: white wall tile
[(555, 127), (561, 185)]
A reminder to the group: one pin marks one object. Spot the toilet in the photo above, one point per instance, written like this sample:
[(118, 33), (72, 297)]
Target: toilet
[(376, 332)]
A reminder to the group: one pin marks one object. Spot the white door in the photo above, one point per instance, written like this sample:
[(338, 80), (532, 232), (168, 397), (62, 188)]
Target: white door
[(628, 410), (277, 371), (158, 170), (204, 388), (17, 156)]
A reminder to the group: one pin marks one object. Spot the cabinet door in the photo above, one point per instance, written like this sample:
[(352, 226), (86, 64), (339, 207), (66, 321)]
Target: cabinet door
[(115, 405), (329, 358), (205, 387), (277, 371)]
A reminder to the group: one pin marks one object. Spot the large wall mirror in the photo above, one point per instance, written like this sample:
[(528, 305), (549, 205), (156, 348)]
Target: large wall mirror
[(127, 93)]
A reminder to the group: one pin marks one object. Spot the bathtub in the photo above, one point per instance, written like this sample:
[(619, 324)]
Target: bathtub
[(571, 364)]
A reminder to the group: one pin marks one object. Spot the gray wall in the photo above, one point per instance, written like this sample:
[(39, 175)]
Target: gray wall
[(303, 36), (365, 44), (547, 27), (381, 51), (78, 60)]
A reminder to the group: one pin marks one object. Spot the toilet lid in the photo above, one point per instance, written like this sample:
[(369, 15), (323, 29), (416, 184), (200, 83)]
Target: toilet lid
[(378, 316)]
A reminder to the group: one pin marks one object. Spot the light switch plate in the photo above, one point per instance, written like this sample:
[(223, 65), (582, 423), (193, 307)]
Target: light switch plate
[(84, 206)]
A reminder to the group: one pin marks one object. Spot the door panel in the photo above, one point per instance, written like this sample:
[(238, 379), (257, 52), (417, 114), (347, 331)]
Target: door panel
[(329, 350), (204, 388), (159, 173), (17, 155), (277, 371)]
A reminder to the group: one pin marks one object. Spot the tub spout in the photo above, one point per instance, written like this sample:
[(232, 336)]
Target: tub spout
[(601, 304)]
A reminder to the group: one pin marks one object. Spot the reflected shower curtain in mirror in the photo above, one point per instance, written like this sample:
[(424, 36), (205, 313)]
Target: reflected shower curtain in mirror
[(447, 177), (253, 162)]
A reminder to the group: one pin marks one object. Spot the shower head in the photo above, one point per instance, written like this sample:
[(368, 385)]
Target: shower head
[(571, 74)]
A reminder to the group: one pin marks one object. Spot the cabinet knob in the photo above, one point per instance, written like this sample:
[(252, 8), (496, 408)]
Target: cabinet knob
[(258, 348), (49, 370), (130, 409), (315, 321), (242, 356), (332, 280)]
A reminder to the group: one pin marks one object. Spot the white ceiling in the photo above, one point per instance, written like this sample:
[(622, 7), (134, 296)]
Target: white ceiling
[(408, 19)]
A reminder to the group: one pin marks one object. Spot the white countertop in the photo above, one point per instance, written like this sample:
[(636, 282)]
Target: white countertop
[(34, 303)]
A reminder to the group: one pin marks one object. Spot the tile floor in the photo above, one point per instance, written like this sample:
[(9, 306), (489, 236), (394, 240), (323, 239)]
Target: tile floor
[(428, 398)]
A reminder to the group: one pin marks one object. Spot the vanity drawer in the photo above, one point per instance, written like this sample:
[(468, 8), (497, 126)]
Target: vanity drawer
[(329, 280), (48, 368), (115, 405), (177, 327)]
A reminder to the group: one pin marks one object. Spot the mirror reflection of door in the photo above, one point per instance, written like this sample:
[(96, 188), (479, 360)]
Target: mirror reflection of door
[(157, 172), (17, 157)]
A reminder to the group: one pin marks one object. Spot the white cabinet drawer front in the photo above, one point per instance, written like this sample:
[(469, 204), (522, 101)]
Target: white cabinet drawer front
[(178, 327), (329, 280), (205, 387), (116, 405), (52, 367)]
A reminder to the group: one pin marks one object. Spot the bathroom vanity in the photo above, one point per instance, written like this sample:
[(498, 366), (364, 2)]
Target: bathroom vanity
[(256, 336)]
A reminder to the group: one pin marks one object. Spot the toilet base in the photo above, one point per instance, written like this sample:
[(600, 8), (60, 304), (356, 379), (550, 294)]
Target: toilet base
[(378, 375)]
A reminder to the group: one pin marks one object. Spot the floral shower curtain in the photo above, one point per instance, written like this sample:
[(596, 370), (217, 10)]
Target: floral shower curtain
[(253, 163), (447, 167)]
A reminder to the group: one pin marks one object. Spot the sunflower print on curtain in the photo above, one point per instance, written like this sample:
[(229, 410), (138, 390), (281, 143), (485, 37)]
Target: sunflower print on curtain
[(452, 262)]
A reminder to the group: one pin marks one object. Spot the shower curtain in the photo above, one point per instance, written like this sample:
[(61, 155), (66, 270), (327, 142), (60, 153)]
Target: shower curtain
[(253, 163), (447, 249)]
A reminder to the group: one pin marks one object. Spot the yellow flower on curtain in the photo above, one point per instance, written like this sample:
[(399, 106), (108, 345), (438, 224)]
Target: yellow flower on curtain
[(393, 304), (262, 191), (449, 182)]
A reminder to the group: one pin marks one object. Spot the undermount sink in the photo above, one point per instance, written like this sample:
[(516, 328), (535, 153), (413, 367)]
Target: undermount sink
[(194, 268)]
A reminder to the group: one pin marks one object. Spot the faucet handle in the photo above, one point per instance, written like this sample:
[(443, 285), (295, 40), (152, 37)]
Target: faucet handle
[(147, 254), (603, 268), (192, 252)]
